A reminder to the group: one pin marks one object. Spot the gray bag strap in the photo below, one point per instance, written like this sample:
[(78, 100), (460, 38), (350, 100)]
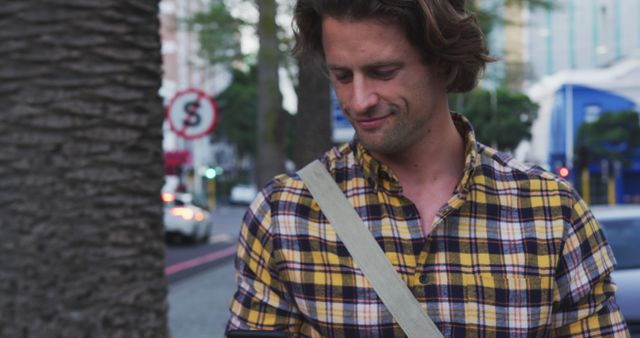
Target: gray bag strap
[(366, 252)]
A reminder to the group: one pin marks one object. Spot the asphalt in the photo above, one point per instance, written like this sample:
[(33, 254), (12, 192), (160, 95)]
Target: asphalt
[(201, 280), (199, 305)]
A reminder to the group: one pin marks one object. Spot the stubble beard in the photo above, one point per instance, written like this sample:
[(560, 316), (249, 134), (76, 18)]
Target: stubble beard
[(395, 139)]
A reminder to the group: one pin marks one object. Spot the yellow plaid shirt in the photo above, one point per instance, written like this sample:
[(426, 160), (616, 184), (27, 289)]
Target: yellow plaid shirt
[(514, 253)]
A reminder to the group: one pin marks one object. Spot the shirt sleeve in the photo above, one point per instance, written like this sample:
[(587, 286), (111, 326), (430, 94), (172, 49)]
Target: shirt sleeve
[(260, 301), (585, 304)]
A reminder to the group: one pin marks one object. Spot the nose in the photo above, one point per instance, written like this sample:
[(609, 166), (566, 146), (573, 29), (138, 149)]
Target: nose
[(363, 96)]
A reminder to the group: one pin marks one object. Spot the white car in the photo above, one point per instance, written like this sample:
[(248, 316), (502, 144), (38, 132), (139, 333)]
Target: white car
[(621, 226), (243, 194), (184, 219)]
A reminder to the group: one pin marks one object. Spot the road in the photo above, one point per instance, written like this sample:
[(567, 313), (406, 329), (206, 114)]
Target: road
[(201, 290)]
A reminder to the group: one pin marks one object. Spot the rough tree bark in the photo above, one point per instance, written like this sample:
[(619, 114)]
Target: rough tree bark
[(81, 243), (313, 121), (271, 129)]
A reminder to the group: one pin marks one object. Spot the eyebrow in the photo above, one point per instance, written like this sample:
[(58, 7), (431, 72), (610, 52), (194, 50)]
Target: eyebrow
[(390, 64)]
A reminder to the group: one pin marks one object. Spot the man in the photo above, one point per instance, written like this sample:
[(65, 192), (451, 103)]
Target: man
[(487, 245)]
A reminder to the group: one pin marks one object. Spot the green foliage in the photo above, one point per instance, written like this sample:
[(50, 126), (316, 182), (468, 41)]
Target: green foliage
[(218, 34), (238, 108), (501, 119), (614, 136)]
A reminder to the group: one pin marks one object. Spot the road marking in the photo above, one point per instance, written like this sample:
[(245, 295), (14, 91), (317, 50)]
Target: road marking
[(214, 256)]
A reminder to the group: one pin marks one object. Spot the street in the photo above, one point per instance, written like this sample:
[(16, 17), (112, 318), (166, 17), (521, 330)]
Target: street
[(198, 305), (200, 292)]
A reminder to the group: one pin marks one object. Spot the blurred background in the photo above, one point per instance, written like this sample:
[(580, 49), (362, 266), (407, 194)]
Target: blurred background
[(564, 95), (108, 103)]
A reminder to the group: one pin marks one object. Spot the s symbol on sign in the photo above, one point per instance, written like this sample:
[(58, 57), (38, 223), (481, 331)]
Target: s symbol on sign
[(193, 118)]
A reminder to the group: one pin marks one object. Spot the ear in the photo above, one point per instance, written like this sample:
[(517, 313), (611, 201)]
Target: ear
[(447, 73)]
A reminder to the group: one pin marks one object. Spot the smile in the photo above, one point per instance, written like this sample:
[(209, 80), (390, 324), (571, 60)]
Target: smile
[(373, 123)]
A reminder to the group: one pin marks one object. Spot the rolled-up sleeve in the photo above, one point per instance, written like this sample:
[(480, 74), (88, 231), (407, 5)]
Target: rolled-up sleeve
[(585, 302)]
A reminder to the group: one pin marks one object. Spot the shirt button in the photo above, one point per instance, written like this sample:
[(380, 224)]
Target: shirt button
[(424, 279)]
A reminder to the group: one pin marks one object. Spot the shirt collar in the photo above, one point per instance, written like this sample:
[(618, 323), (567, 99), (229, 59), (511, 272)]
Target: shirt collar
[(382, 178)]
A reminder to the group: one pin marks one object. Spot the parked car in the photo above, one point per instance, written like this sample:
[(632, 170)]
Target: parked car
[(184, 219), (621, 225), (243, 194)]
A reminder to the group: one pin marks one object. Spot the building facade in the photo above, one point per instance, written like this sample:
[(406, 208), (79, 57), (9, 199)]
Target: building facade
[(183, 68), (574, 34)]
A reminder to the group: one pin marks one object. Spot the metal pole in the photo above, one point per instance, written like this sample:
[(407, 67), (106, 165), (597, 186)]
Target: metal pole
[(569, 127), (586, 188)]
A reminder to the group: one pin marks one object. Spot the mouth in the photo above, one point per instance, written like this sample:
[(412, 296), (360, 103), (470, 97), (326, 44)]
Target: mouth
[(373, 123)]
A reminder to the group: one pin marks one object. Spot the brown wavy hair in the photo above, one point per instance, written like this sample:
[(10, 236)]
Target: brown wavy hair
[(447, 35)]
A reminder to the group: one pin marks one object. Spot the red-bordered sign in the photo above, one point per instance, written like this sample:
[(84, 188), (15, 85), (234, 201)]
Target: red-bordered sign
[(192, 114)]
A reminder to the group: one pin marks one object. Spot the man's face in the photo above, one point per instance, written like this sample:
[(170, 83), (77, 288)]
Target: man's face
[(383, 87)]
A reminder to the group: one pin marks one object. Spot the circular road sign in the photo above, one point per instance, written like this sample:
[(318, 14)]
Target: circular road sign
[(192, 114)]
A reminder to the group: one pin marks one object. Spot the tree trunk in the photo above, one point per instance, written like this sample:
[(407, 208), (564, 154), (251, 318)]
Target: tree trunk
[(313, 121), (271, 130), (81, 247)]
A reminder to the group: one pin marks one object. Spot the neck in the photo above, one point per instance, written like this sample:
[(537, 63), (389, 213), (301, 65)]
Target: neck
[(439, 155)]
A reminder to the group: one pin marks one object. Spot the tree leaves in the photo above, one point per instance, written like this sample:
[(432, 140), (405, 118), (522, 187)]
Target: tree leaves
[(238, 106), (218, 34), (501, 118), (615, 135)]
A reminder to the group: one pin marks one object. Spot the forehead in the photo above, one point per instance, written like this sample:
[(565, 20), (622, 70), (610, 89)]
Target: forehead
[(348, 40)]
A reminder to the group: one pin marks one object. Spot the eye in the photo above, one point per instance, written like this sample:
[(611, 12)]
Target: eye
[(342, 76), (384, 73)]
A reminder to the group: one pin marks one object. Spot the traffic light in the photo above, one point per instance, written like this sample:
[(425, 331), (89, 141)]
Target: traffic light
[(210, 173), (564, 172)]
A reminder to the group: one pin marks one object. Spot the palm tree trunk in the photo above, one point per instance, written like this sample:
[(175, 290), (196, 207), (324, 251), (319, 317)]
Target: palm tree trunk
[(81, 247)]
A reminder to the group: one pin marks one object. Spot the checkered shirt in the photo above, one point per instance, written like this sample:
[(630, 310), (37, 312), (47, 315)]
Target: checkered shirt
[(515, 252)]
